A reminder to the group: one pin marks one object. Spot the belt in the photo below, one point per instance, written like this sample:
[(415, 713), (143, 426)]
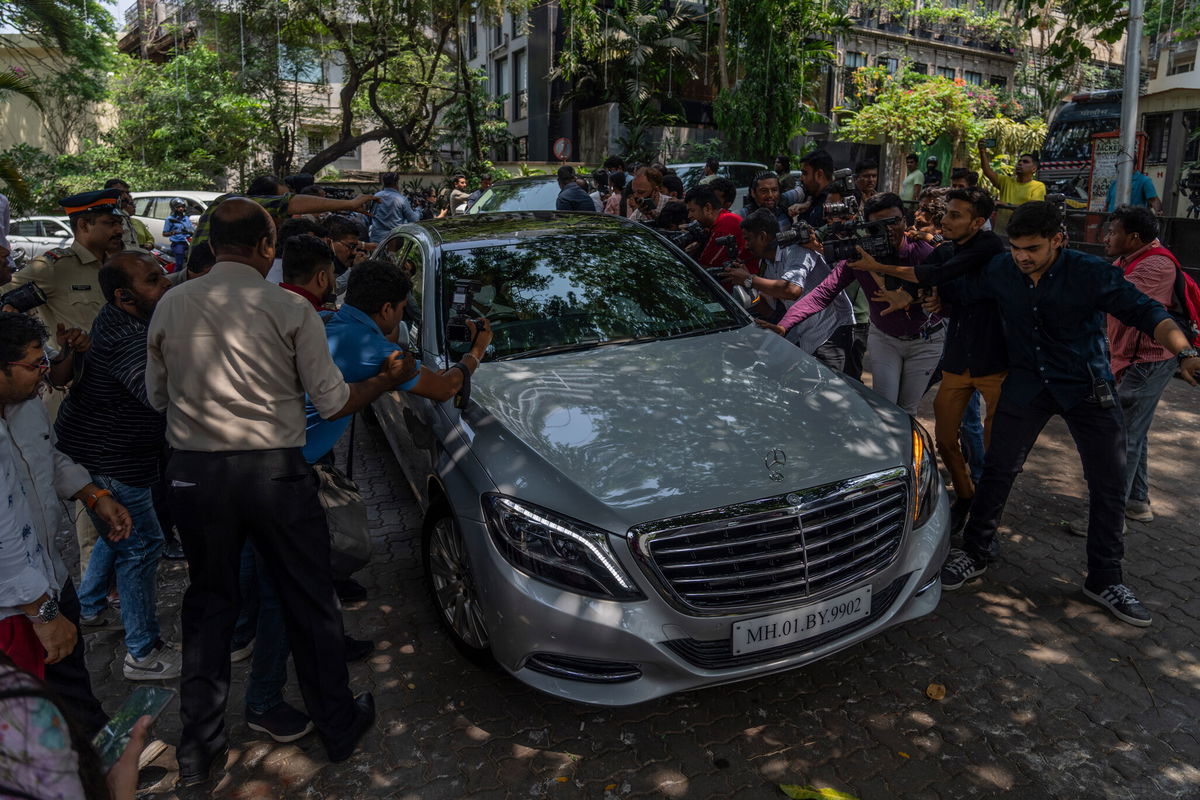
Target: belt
[(924, 333)]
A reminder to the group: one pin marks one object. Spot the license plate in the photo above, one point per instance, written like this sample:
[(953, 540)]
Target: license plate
[(799, 624)]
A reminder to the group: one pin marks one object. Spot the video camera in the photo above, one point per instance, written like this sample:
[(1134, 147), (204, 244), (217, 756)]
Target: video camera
[(693, 233), (841, 183), (461, 307), (647, 205), (1189, 185), (25, 298), (842, 239)]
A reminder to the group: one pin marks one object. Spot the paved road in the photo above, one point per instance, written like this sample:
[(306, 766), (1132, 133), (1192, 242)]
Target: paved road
[(1047, 697)]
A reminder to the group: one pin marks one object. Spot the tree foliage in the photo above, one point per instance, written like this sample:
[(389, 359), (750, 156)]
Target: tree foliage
[(776, 49)]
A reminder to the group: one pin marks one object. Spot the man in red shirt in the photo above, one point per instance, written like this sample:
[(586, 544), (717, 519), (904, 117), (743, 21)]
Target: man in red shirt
[(1142, 367), (705, 207)]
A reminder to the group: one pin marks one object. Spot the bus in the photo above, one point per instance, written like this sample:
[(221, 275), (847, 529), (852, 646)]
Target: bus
[(1066, 156)]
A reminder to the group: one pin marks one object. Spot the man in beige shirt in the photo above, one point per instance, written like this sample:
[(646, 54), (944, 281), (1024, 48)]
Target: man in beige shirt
[(231, 358)]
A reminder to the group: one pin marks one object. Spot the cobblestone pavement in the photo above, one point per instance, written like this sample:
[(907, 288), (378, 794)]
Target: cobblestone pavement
[(1047, 697)]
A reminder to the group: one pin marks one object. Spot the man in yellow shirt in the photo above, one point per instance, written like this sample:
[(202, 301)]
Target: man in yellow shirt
[(1020, 188)]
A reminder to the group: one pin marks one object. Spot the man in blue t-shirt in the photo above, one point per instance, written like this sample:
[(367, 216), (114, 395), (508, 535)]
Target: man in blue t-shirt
[(365, 331), (1141, 193)]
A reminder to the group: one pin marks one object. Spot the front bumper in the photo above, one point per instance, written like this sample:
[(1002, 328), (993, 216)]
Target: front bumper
[(670, 651)]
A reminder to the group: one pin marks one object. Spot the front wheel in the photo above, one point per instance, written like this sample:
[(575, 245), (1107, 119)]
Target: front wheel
[(452, 587)]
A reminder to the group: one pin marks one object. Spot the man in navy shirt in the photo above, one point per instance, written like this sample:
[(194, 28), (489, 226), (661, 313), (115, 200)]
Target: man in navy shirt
[(1052, 301), (570, 196)]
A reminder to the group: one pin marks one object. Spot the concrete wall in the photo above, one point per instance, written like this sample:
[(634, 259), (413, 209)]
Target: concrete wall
[(599, 129)]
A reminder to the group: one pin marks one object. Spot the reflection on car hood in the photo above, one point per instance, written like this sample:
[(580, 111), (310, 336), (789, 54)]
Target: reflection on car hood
[(661, 428)]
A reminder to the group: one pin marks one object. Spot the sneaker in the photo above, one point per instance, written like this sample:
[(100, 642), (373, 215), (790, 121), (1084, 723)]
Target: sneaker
[(283, 723), (242, 653), (1079, 526), (958, 515), (1124, 605), (1139, 511), (162, 663), (106, 619), (959, 568)]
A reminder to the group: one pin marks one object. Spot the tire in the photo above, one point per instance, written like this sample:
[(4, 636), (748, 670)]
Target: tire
[(451, 586)]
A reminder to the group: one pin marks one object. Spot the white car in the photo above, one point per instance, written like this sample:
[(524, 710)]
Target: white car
[(36, 235), (153, 208)]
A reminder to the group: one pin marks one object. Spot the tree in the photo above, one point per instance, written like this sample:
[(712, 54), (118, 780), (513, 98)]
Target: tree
[(777, 49)]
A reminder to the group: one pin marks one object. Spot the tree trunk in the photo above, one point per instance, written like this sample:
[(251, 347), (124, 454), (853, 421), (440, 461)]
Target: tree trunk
[(475, 148), (722, 30)]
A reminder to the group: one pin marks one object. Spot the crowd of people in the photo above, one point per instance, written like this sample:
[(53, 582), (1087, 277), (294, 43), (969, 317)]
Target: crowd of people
[(187, 413)]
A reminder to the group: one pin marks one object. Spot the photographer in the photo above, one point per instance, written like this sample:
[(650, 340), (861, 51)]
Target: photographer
[(765, 193), (975, 358), (866, 179), (647, 197), (785, 274), (1049, 298), (905, 348), (704, 207), (816, 175)]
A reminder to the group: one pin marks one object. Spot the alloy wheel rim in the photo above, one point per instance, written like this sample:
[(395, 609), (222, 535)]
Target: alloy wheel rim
[(453, 586)]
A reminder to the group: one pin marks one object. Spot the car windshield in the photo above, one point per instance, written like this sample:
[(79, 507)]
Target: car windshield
[(558, 292), (1072, 141), (518, 196)]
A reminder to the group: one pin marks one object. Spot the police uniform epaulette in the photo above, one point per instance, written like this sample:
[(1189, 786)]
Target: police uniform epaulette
[(59, 252)]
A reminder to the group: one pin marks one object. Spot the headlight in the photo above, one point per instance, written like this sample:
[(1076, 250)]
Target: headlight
[(557, 550), (923, 468)]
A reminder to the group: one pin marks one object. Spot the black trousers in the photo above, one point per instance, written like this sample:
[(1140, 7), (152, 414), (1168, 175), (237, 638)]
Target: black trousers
[(858, 349), (69, 678), (835, 352), (219, 500), (1099, 435)]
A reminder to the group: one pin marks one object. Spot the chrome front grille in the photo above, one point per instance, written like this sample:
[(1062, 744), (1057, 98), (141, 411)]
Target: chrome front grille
[(794, 546)]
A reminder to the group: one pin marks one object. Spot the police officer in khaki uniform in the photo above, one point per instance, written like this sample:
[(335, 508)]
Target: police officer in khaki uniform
[(69, 275)]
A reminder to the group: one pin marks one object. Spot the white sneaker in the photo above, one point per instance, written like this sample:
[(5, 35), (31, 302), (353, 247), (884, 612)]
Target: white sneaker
[(243, 652), (1139, 511), (162, 663)]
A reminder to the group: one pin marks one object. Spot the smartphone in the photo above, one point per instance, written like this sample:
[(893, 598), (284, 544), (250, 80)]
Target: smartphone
[(112, 739), (988, 143)]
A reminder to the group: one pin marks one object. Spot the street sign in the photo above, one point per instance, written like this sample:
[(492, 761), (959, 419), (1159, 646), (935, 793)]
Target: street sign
[(562, 148)]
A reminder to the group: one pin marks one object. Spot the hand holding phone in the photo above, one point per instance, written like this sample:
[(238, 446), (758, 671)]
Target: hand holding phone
[(146, 701)]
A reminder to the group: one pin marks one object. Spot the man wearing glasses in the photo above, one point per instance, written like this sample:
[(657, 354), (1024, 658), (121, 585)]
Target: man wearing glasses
[(905, 347)]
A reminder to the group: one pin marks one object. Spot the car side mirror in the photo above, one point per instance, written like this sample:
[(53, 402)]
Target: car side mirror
[(744, 297)]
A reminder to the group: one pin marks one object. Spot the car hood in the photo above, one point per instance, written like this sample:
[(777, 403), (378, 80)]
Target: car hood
[(662, 428)]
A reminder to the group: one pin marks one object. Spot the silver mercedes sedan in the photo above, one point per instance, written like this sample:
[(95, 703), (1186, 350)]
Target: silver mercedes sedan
[(645, 492)]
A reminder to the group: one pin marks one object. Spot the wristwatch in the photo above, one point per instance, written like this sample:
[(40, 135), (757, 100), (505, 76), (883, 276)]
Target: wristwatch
[(1186, 353), (749, 282), (46, 612)]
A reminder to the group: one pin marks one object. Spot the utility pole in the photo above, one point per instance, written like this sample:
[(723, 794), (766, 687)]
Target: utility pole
[(1129, 102)]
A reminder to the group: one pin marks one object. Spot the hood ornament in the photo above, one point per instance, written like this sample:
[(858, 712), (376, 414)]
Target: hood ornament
[(775, 459)]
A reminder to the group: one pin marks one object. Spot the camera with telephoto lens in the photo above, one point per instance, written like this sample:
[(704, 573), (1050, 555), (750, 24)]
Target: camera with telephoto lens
[(846, 209), (693, 233), (841, 240), (745, 297), (841, 183), (27, 297), (800, 233), (461, 303), (647, 205)]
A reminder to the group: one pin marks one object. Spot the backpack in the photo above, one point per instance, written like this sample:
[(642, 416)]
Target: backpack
[(1185, 297)]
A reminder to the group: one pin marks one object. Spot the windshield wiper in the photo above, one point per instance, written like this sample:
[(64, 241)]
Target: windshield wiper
[(570, 348), (701, 332)]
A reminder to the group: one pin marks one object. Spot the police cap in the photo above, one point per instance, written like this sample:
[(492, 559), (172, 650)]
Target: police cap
[(102, 200)]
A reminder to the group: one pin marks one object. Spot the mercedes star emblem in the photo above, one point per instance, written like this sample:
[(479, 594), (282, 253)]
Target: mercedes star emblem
[(775, 459)]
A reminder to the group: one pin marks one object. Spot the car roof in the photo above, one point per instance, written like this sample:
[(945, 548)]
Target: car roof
[(195, 195), (723, 164), (41, 216), (468, 230)]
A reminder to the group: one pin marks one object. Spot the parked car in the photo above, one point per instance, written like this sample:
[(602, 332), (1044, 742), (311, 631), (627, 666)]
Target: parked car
[(740, 172), (647, 493), (36, 235), (529, 193), (153, 208)]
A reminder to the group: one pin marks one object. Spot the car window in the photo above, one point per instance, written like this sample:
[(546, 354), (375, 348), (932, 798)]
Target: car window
[(583, 289), (25, 227), (742, 174), (690, 176), (518, 196), (160, 208), (141, 206), (194, 209), (406, 254), (56, 228)]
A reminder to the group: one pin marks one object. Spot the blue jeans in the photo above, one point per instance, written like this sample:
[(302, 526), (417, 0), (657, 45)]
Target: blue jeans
[(268, 668), (179, 251), (135, 562), (971, 437), (1141, 386)]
